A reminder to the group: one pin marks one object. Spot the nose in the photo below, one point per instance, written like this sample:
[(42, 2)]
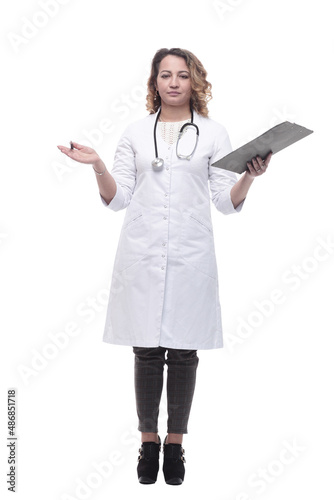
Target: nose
[(174, 82)]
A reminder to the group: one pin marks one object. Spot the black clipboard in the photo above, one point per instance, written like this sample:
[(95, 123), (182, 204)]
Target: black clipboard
[(275, 139)]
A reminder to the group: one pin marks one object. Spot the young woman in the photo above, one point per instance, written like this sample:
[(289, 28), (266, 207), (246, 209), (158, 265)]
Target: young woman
[(164, 296)]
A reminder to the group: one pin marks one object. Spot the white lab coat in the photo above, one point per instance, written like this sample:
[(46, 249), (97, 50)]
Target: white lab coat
[(164, 288)]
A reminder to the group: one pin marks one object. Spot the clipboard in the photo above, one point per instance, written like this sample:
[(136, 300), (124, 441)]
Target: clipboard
[(275, 139)]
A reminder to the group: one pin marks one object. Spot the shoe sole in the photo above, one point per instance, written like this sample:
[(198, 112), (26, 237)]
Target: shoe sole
[(146, 480), (175, 481)]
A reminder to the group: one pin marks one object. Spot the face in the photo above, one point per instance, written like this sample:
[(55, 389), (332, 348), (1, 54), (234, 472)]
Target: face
[(173, 81)]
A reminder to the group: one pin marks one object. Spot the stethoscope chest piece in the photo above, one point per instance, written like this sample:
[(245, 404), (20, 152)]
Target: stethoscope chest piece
[(157, 163)]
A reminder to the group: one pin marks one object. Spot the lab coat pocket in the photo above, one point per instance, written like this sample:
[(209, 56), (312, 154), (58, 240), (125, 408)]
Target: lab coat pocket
[(133, 241), (197, 244)]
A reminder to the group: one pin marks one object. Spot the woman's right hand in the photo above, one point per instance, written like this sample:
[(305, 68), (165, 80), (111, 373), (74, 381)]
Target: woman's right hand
[(81, 153)]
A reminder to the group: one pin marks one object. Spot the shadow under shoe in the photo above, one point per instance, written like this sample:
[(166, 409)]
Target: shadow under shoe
[(148, 462), (173, 466)]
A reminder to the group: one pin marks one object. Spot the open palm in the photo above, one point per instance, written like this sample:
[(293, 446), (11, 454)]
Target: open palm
[(80, 153)]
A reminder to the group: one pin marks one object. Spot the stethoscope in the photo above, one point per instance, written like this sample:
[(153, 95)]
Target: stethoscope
[(158, 163)]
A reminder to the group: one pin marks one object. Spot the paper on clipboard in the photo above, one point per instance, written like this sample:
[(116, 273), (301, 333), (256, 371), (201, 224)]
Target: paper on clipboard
[(275, 139)]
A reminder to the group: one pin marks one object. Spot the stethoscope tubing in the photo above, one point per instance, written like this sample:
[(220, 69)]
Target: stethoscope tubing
[(158, 162)]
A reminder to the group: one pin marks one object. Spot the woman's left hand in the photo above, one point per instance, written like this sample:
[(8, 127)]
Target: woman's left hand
[(257, 166)]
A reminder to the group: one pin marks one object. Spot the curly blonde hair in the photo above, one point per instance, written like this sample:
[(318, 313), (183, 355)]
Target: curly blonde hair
[(201, 88)]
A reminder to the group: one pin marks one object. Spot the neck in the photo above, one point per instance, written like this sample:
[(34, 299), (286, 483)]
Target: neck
[(174, 113)]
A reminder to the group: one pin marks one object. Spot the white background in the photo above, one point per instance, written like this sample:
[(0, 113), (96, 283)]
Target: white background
[(88, 62)]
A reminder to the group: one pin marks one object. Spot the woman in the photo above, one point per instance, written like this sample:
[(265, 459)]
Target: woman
[(164, 297)]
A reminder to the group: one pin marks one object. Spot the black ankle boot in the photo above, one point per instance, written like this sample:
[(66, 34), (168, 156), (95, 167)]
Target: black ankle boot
[(148, 462), (173, 466)]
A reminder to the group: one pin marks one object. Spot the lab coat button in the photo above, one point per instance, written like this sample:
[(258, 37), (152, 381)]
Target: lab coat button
[(166, 194), (165, 206), (165, 218), (162, 267), (164, 244), (167, 168)]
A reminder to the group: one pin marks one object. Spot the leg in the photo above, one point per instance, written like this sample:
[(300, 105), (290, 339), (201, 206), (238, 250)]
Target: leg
[(149, 437), (174, 438), (182, 366), (181, 379), (149, 366)]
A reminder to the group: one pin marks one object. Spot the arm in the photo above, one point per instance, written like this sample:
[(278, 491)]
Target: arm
[(240, 189), (115, 190), (106, 182), (84, 154), (223, 181)]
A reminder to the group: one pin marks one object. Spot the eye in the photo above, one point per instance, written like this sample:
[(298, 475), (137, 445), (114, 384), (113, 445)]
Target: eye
[(185, 77), (164, 76)]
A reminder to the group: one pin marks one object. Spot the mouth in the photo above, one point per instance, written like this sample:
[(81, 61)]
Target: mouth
[(173, 93)]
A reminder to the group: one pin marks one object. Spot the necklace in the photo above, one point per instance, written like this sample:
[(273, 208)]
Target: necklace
[(170, 130)]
